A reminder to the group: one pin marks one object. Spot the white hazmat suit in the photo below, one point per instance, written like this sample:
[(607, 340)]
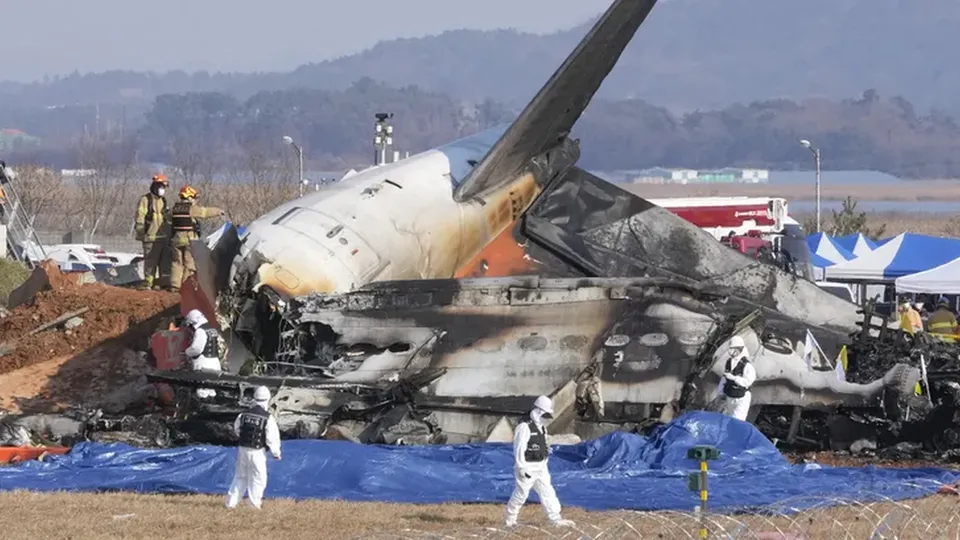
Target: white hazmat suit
[(739, 375), (250, 476), (195, 351), (530, 473)]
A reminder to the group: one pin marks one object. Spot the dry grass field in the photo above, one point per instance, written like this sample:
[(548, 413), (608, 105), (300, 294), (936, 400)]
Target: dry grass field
[(897, 222), (114, 515)]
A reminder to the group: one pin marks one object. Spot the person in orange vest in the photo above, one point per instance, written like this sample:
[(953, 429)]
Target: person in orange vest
[(186, 227), (151, 227)]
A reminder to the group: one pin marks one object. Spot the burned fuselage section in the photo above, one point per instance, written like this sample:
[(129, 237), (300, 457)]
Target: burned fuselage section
[(491, 345)]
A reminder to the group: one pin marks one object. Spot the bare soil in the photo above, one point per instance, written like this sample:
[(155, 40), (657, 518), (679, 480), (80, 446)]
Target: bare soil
[(59, 368), (114, 515), (114, 314)]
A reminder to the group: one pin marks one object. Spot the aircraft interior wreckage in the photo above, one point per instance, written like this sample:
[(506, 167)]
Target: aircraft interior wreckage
[(433, 298)]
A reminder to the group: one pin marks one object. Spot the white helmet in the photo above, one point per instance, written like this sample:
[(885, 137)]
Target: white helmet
[(195, 318), (545, 404), (262, 393), (737, 342)]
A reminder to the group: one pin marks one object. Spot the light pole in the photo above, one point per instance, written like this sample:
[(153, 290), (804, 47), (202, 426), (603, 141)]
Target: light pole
[(382, 137), (289, 140), (816, 158)]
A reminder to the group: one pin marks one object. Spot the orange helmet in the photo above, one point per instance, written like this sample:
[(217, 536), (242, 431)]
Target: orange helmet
[(160, 179), (188, 192)]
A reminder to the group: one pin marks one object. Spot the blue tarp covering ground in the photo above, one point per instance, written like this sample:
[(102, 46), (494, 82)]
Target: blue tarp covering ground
[(617, 471)]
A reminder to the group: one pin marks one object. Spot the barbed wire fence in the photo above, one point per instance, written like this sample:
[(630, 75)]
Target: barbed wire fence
[(798, 518)]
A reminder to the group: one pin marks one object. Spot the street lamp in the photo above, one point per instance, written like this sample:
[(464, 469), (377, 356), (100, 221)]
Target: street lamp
[(816, 158), (289, 140)]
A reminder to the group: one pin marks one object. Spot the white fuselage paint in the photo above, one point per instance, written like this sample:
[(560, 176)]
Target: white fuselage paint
[(365, 228)]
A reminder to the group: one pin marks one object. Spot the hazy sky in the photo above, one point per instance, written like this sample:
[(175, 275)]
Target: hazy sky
[(47, 37)]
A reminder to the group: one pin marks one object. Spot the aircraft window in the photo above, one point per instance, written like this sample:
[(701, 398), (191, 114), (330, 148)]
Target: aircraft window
[(285, 215)]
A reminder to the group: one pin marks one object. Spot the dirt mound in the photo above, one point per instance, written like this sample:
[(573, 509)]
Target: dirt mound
[(122, 316)]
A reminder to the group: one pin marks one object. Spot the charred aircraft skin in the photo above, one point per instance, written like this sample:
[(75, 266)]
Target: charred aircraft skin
[(500, 342)]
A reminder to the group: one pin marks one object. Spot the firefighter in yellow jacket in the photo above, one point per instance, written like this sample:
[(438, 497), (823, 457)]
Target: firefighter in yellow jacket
[(942, 322), (152, 228), (186, 227)]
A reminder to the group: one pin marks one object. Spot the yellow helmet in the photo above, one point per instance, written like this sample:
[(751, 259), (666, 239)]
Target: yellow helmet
[(187, 192)]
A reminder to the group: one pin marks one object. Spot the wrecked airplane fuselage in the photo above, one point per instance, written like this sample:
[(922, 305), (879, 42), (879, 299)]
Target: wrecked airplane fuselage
[(493, 344)]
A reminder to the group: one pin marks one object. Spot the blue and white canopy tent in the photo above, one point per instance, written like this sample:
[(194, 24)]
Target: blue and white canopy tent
[(858, 244), (825, 252), (901, 255), (828, 249)]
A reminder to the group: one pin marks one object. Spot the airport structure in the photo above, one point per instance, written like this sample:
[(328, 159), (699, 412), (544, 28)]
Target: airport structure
[(661, 175)]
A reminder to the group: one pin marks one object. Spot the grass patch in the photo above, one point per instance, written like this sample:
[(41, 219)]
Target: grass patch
[(82, 516), (12, 275)]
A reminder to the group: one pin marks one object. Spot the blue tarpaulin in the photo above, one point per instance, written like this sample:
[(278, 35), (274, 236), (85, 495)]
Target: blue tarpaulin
[(619, 470)]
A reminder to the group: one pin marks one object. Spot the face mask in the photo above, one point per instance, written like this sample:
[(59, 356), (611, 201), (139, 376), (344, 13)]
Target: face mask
[(160, 192)]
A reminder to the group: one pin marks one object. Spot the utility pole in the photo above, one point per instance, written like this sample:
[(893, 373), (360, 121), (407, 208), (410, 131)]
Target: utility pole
[(289, 141), (816, 159)]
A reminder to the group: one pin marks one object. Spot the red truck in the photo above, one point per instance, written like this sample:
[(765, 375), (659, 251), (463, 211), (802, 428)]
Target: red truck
[(760, 227)]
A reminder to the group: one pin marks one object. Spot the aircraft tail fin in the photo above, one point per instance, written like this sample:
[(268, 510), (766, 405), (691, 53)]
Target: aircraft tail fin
[(550, 116)]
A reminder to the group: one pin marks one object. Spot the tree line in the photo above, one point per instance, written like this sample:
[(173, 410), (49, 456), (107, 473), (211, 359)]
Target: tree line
[(205, 133)]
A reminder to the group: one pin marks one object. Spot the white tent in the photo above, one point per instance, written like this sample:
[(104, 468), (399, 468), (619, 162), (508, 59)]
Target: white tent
[(944, 279)]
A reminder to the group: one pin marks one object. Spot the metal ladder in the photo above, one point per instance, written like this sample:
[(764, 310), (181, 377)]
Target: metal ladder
[(22, 239)]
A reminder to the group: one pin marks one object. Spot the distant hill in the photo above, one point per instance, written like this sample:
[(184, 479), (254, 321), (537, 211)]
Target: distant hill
[(690, 54)]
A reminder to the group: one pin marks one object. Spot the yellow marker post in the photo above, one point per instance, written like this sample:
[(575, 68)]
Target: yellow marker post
[(698, 482), (703, 499)]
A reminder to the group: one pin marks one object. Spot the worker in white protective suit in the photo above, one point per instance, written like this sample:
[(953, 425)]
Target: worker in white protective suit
[(257, 431), (204, 349), (738, 376), (530, 451)]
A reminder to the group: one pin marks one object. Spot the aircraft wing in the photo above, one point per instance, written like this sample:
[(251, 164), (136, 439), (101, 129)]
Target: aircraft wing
[(550, 116)]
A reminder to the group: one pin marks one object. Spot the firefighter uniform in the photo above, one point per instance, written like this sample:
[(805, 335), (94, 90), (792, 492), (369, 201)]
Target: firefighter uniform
[(942, 321), (186, 227), (152, 228)]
